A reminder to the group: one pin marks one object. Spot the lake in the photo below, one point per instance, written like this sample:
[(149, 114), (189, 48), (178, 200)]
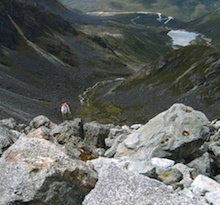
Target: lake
[(182, 37)]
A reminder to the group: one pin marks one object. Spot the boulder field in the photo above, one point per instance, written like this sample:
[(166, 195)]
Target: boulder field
[(173, 159)]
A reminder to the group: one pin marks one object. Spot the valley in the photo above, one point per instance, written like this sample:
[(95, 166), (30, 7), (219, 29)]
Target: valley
[(110, 66)]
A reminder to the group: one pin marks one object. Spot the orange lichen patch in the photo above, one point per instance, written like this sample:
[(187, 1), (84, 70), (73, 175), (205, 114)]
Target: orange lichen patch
[(85, 156), (187, 110), (213, 157), (185, 133), (164, 141), (111, 137), (45, 137), (165, 175)]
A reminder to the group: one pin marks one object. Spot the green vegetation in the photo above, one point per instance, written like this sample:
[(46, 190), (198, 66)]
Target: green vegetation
[(189, 75), (209, 25), (182, 10), (60, 49), (134, 45)]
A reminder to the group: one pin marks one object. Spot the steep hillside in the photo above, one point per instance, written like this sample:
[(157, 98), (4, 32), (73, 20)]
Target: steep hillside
[(44, 61), (189, 75), (49, 54), (182, 10), (209, 25)]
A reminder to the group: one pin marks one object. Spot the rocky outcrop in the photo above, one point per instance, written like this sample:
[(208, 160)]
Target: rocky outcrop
[(175, 133), (40, 172), (117, 186), (92, 163)]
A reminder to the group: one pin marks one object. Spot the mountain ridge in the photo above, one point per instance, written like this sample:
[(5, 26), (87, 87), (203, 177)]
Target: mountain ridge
[(86, 53), (182, 10), (165, 82)]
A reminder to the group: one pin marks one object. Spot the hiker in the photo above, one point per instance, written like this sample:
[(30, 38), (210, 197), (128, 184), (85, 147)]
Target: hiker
[(65, 111)]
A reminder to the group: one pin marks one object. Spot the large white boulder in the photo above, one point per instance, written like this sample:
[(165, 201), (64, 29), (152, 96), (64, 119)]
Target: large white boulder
[(175, 133)]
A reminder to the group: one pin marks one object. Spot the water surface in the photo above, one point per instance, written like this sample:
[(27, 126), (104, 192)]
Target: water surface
[(182, 37)]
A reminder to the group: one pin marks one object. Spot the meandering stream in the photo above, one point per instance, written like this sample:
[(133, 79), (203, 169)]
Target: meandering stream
[(83, 98), (179, 37)]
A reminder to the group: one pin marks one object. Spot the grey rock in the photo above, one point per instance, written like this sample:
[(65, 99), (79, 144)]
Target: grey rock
[(8, 134), (162, 162), (214, 147), (203, 184), (36, 171), (187, 172), (216, 123), (170, 176), (68, 131), (142, 167), (202, 164), (5, 139), (175, 134), (40, 121), (10, 123), (109, 141), (96, 133), (217, 178), (187, 193), (111, 151), (98, 163), (99, 151), (215, 137), (136, 126), (115, 131), (113, 135), (213, 197), (117, 186)]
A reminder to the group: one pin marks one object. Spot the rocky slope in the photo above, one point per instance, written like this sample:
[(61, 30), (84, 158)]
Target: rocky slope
[(209, 25), (188, 75), (173, 159), (50, 54)]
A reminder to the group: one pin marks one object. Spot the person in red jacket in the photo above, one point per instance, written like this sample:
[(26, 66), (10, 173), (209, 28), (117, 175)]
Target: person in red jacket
[(65, 111)]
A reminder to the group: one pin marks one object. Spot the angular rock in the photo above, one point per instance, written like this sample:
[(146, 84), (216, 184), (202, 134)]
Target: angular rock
[(114, 133), (187, 193), (10, 123), (111, 151), (68, 131), (203, 184), (162, 162), (99, 151), (36, 171), (217, 178), (216, 123), (170, 176), (5, 139), (95, 134), (214, 147), (41, 121), (117, 186), (213, 197), (202, 164), (175, 134), (187, 172), (142, 167), (98, 163), (136, 126)]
